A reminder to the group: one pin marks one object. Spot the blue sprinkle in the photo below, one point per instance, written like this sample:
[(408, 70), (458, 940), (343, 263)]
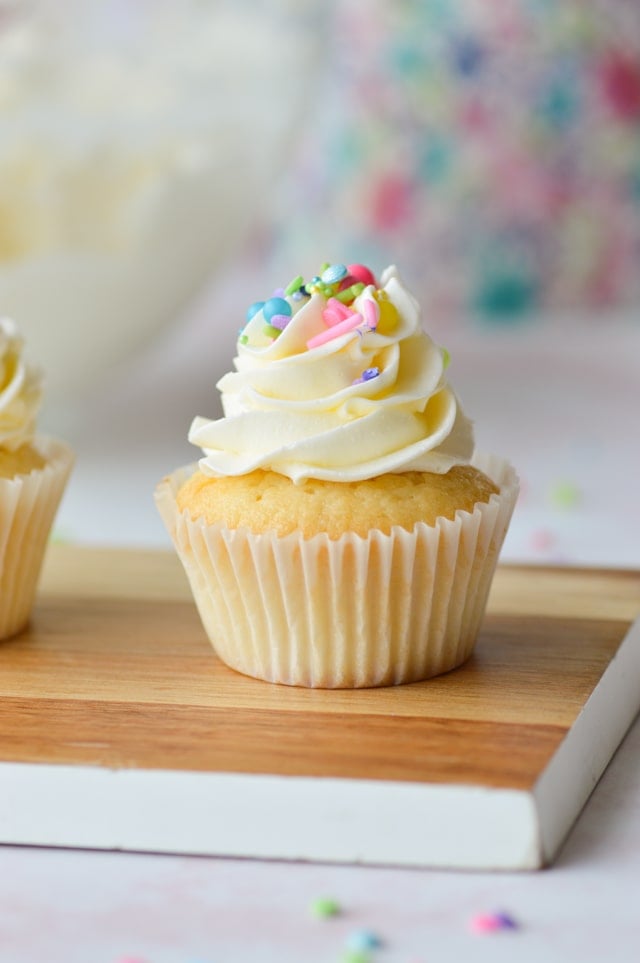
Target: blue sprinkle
[(253, 309), (370, 373), (334, 273), (276, 306), (363, 940)]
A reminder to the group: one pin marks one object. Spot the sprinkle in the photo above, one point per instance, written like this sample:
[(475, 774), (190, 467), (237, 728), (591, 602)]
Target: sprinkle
[(355, 956), (280, 321), (275, 306), (564, 495), (335, 331), (446, 358), (389, 317), (492, 923), (334, 273), (362, 274), (339, 308), (270, 331), (367, 375), (325, 906), (363, 940), (294, 286), (371, 313), (350, 294), (253, 309), (244, 339)]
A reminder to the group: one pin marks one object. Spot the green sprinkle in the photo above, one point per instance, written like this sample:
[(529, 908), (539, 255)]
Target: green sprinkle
[(294, 285), (324, 906), (564, 495), (271, 331), (355, 956), (244, 339), (350, 294), (446, 358)]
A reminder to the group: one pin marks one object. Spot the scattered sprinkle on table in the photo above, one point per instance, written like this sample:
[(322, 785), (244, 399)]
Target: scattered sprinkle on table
[(363, 941), (324, 907), (492, 923)]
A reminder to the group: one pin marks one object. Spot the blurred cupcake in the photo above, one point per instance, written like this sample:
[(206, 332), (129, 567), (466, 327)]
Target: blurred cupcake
[(33, 474), (339, 530)]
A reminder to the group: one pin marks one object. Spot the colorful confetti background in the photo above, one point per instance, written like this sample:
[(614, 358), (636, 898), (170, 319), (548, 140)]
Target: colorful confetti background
[(491, 147)]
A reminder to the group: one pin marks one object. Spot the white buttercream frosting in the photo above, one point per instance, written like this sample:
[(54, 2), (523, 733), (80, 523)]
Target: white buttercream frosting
[(309, 411), (20, 390)]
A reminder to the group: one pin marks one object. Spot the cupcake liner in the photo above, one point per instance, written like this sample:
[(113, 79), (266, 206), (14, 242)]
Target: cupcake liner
[(28, 504), (347, 613)]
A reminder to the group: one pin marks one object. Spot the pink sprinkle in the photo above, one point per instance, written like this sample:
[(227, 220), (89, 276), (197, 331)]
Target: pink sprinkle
[(491, 922), (335, 331), (361, 273), (371, 313), (342, 310)]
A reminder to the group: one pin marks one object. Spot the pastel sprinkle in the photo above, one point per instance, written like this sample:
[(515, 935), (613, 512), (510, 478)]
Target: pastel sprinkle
[(280, 321), (491, 923), (350, 294), (325, 906), (294, 286), (389, 317), (275, 306), (363, 940), (446, 358), (270, 331), (355, 956), (341, 309), (333, 274), (361, 273), (253, 309), (564, 495), (343, 327), (371, 313)]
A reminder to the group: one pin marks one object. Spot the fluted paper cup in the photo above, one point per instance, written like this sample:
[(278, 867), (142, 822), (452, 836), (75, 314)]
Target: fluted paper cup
[(346, 613), (28, 504)]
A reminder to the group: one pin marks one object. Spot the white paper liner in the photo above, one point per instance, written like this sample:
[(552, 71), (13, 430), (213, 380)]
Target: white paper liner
[(347, 613), (28, 504)]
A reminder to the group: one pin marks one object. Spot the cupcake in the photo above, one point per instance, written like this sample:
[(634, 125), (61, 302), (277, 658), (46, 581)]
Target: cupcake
[(33, 474), (339, 530)]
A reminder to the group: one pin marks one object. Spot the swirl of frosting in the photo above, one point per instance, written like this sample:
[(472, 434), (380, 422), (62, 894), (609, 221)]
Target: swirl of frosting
[(20, 390), (339, 397)]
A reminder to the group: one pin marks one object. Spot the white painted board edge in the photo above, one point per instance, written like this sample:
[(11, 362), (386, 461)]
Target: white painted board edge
[(327, 819)]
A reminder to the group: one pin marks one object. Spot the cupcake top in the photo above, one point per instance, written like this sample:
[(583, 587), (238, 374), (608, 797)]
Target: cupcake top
[(20, 390), (336, 380)]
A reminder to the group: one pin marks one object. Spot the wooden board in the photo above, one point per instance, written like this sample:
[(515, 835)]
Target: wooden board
[(120, 728)]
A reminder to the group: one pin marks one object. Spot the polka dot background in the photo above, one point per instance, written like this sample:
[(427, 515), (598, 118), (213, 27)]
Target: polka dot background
[(491, 147)]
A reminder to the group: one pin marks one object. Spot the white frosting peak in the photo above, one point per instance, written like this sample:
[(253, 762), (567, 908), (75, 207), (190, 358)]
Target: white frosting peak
[(20, 390), (343, 407)]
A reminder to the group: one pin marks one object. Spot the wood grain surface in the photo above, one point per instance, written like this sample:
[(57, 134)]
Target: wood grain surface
[(115, 671)]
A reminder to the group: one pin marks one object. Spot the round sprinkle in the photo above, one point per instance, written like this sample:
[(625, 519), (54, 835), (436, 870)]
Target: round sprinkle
[(370, 373), (275, 306), (280, 321), (363, 940), (294, 285), (244, 339), (324, 907), (253, 309), (334, 274), (355, 956), (361, 273), (270, 331), (564, 495)]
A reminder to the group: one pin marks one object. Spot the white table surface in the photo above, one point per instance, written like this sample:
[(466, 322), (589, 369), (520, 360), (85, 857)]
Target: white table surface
[(562, 402)]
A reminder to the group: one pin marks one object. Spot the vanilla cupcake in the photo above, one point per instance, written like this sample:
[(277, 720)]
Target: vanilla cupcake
[(33, 474), (339, 531)]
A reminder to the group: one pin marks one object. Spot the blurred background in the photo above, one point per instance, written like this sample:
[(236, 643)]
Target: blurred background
[(164, 164)]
